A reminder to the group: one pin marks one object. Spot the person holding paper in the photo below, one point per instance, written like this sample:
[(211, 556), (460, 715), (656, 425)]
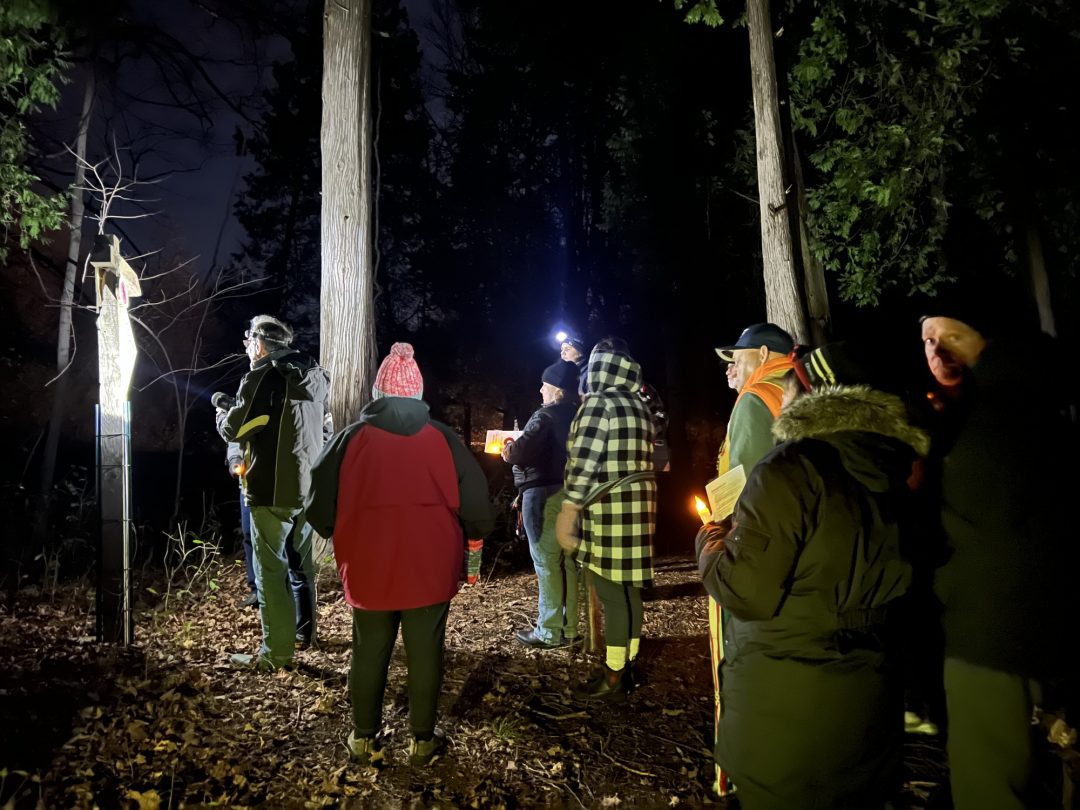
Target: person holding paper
[(759, 360), (539, 457), (806, 570), (757, 363)]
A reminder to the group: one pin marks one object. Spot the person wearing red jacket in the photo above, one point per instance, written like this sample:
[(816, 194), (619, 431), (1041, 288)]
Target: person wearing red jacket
[(399, 493)]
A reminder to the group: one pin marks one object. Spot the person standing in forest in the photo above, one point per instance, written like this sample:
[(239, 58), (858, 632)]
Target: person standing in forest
[(539, 458), (1006, 578), (609, 514), (756, 366), (399, 493), (573, 351), (281, 418), (807, 570)]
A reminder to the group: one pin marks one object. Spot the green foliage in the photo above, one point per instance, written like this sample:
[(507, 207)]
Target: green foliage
[(192, 568), (31, 67), (701, 11), (883, 95), (937, 134)]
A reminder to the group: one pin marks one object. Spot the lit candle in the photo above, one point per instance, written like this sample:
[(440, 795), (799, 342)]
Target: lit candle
[(702, 509)]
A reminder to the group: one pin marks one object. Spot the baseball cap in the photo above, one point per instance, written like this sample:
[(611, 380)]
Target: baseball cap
[(760, 334)]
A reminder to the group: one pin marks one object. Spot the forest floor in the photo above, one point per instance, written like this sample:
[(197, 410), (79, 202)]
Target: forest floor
[(167, 723)]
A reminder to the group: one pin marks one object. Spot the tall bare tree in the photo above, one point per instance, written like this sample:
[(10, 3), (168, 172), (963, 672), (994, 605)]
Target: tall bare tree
[(347, 339), (67, 300), (783, 304)]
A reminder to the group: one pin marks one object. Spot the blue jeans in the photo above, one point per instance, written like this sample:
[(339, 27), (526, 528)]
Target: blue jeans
[(556, 573), (245, 528)]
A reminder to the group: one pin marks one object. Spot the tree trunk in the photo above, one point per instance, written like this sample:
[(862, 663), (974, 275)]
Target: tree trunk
[(783, 305), (347, 341), (817, 296), (1040, 282), (64, 330)]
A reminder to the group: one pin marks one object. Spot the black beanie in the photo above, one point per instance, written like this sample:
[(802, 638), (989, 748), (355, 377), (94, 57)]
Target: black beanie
[(992, 308), (562, 374), (852, 362)]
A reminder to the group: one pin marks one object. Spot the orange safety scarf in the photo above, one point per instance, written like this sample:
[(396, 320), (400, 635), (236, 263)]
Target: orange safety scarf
[(764, 382)]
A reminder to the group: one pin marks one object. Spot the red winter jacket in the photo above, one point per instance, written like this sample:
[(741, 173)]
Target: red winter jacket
[(402, 487)]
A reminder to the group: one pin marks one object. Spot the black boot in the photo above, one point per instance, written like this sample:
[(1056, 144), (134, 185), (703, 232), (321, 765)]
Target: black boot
[(632, 677), (304, 601), (608, 685)]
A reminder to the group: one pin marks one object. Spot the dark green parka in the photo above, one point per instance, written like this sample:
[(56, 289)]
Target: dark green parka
[(1009, 579), (812, 711)]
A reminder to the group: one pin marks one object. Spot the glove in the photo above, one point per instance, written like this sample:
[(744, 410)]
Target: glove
[(710, 537), (567, 530), (472, 561), (222, 401)]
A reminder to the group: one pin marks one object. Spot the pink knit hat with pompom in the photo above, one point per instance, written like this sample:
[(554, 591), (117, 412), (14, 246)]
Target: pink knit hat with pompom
[(399, 376)]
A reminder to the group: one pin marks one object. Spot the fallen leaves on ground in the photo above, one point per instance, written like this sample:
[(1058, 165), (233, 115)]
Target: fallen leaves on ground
[(168, 723)]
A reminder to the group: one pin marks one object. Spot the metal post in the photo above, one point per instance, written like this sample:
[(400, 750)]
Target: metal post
[(99, 625), (127, 612)]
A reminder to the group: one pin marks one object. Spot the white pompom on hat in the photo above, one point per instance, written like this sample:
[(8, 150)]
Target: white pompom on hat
[(399, 376)]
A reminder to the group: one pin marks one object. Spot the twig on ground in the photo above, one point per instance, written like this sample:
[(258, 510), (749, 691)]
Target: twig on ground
[(627, 767), (567, 716)]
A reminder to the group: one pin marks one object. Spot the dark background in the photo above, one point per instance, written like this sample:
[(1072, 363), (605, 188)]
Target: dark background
[(540, 165)]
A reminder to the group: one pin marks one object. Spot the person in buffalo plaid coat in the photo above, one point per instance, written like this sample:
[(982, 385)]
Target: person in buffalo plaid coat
[(609, 513)]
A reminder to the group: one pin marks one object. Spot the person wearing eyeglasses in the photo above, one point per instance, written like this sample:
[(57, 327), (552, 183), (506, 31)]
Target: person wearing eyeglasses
[(281, 419)]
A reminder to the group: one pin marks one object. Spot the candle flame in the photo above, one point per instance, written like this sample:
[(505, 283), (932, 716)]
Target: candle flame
[(493, 447), (702, 509)]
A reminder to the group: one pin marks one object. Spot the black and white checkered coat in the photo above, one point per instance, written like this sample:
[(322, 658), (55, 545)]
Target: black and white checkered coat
[(611, 437)]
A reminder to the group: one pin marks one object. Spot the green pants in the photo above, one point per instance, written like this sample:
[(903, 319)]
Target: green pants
[(423, 631), (623, 611), (277, 532), (989, 743)]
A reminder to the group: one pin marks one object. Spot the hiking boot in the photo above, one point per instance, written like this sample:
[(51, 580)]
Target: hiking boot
[(530, 639), (304, 643), (364, 750), (255, 663), (422, 752), (632, 677), (609, 685), (251, 600)]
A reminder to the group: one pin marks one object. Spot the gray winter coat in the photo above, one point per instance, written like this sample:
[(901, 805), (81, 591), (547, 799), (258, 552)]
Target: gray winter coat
[(281, 420)]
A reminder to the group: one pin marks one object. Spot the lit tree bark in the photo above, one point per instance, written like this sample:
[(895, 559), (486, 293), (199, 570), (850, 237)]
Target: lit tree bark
[(347, 342), (67, 300), (782, 302)]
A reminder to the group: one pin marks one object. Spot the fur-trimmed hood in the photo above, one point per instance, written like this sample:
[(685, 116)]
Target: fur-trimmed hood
[(869, 428)]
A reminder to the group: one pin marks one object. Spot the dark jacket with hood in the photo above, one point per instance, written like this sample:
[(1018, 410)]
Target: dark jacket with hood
[(400, 494), (1011, 547), (539, 453), (281, 420), (812, 710)]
